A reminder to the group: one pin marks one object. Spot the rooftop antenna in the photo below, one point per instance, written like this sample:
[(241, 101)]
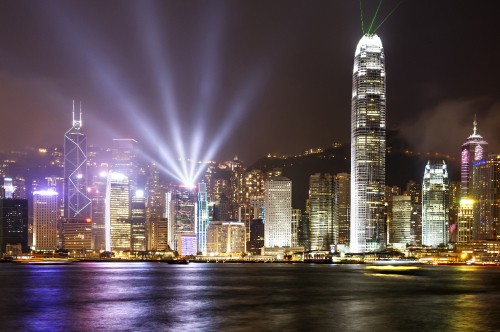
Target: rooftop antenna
[(77, 123), (475, 125), (80, 113)]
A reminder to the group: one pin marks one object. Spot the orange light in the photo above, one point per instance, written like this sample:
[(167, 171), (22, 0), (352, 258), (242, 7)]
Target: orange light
[(88, 220)]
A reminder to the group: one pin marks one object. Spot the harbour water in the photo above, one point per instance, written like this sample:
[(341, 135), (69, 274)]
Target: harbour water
[(247, 297)]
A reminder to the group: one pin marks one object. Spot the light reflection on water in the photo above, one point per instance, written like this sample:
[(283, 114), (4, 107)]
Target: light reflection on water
[(248, 297)]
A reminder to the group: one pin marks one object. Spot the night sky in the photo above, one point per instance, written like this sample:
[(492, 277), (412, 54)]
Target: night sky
[(242, 77)]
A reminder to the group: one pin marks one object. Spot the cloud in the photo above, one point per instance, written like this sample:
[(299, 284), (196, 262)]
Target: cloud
[(445, 127)]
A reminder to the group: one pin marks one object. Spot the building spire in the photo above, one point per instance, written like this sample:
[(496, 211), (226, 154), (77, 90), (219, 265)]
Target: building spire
[(475, 126), (77, 122)]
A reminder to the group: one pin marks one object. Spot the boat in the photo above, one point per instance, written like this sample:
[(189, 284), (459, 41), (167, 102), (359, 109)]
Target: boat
[(395, 270), (396, 262), (43, 261), (180, 261)]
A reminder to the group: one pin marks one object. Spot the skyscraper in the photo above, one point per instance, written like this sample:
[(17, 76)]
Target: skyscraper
[(181, 213), (465, 221), (138, 221), (321, 198), (76, 202), (400, 230), (486, 195), (45, 217), (118, 223), (368, 143), (13, 224), (278, 212), (203, 217), (341, 206), (474, 149), (435, 204), (156, 221), (414, 190)]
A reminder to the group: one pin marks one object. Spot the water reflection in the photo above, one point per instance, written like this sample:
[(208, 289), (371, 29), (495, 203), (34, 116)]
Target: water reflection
[(148, 296)]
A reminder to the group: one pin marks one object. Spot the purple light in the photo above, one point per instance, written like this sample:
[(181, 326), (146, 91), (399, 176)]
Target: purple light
[(49, 192)]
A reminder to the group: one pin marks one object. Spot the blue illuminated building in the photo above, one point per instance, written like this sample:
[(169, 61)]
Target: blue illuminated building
[(203, 217)]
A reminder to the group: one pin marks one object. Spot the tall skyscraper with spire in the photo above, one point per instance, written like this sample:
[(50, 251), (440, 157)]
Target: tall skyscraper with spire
[(473, 150), (368, 144), (76, 202)]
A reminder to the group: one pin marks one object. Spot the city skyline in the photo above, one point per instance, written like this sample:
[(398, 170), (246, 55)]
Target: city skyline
[(84, 56)]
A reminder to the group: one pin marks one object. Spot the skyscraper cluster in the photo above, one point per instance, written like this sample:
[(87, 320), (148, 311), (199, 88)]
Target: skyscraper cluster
[(95, 200)]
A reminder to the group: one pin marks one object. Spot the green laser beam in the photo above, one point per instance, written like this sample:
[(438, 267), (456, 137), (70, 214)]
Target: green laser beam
[(392, 11), (374, 17)]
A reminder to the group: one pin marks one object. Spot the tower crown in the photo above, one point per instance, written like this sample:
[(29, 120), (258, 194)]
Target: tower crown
[(77, 122), (370, 41)]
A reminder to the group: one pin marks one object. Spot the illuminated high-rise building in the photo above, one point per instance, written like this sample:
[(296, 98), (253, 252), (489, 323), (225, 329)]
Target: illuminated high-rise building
[(138, 221), (278, 212), (181, 211), (97, 194), (156, 217), (203, 217), (474, 149), (486, 194), (296, 220), (118, 223), (45, 219), (321, 209), (76, 202), (368, 144), (77, 235), (435, 205), (400, 228), (465, 220), (226, 238), (341, 206), (414, 190), (14, 224), (7, 188)]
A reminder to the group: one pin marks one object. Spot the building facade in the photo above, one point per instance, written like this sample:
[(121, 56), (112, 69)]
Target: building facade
[(203, 217), (435, 204), (76, 202), (368, 145), (181, 211), (342, 206), (486, 194), (322, 231), (278, 212), (46, 216), (118, 223), (473, 150), (400, 227), (13, 224)]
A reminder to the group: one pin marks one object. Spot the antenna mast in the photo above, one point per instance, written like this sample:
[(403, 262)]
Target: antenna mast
[(77, 123)]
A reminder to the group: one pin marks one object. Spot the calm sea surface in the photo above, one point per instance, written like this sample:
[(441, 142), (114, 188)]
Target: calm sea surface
[(246, 297)]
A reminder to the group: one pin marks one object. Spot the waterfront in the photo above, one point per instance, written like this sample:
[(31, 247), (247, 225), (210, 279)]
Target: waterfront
[(246, 297)]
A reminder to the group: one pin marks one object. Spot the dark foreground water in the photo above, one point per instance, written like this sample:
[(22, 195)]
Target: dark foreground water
[(246, 297)]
